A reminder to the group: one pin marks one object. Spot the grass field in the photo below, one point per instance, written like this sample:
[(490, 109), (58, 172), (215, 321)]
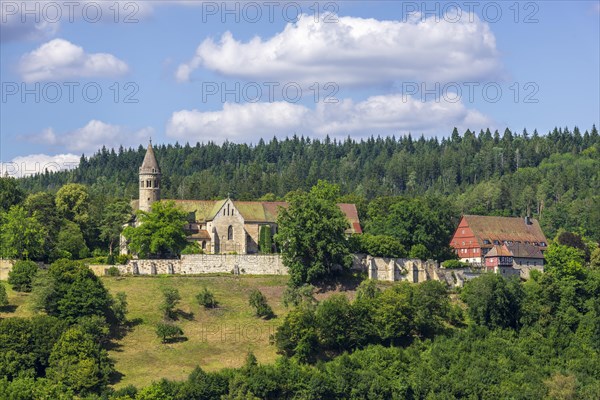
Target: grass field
[(214, 339)]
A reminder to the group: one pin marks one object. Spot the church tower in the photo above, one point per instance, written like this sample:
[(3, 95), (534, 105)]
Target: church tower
[(149, 180)]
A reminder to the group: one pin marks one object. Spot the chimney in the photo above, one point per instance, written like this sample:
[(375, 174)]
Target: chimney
[(528, 220)]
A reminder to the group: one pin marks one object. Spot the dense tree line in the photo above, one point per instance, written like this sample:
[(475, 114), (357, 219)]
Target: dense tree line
[(553, 177)]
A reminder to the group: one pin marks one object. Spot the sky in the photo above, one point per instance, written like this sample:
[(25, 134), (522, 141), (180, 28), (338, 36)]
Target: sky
[(79, 75)]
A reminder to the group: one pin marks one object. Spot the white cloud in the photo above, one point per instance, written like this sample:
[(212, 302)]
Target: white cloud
[(237, 122), (377, 115), (41, 19), (60, 59), (356, 51), (91, 137), (38, 163)]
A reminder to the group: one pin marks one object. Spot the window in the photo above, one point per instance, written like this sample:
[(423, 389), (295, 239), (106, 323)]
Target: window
[(223, 212), (141, 184), (204, 245), (149, 183), (155, 183), (230, 233)]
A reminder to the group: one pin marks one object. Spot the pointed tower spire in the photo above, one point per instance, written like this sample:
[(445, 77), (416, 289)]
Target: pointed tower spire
[(149, 180), (150, 164)]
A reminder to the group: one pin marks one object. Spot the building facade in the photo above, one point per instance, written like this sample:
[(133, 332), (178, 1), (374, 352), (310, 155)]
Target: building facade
[(221, 226), (477, 235)]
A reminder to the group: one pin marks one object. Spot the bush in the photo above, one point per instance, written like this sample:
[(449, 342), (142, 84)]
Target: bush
[(3, 296), (167, 332), (22, 275), (261, 307), (454, 264), (113, 271), (419, 251), (192, 248), (206, 298), (123, 258)]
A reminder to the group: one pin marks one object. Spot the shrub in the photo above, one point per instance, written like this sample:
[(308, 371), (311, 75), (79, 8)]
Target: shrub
[(206, 298), (261, 307), (192, 248), (22, 275), (167, 331), (123, 258), (454, 264), (113, 271)]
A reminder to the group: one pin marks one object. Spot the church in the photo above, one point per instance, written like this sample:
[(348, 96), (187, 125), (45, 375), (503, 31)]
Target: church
[(222, 226)]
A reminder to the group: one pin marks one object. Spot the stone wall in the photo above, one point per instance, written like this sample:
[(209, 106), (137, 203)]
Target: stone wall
[(5, 268), (393, 269), (190, 264)]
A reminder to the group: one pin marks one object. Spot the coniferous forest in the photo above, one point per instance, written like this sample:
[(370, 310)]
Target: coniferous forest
[(554, 177)]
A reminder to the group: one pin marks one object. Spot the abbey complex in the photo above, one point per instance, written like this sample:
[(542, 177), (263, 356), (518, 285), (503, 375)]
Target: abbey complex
[(221, 226)]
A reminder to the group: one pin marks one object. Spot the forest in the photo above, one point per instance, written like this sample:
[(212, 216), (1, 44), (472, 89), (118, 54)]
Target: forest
[(553, 177), (495, 338)]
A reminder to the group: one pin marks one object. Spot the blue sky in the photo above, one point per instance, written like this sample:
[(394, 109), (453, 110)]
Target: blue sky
[(83, 74)]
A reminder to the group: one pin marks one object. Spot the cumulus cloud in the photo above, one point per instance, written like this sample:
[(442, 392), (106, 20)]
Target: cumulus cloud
[(91, 137), (33, 164), (356, 51), (60, 59), (377, 115)]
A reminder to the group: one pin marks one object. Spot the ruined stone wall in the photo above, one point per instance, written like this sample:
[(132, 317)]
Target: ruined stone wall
[(394, 269)]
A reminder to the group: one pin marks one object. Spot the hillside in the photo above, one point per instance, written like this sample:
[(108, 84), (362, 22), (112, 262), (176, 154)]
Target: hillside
[(215, 339)]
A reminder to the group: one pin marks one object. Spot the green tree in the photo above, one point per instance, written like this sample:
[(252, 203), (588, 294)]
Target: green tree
[(115, 215), (312, 236), (70, 243), (22, 237), (494, 301), (42, 207), (3, 296), (206, 298), (22, 274), (259, 302), (265, 239), (11, 193), (171, 299), (566, 260), (73, 202), (119, 308), (160, 231), (79, 362), (168, 331)]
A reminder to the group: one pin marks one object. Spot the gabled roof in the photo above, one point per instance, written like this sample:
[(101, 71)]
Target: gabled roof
[(150, 165), (251, 211), (505, 229), (524, 250), (499, 251)]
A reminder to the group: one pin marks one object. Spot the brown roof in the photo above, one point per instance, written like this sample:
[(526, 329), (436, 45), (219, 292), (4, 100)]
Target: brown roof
[(202, 234), (150, 164), (505, 229), (499, 251), (252, 211), (524, 250)]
